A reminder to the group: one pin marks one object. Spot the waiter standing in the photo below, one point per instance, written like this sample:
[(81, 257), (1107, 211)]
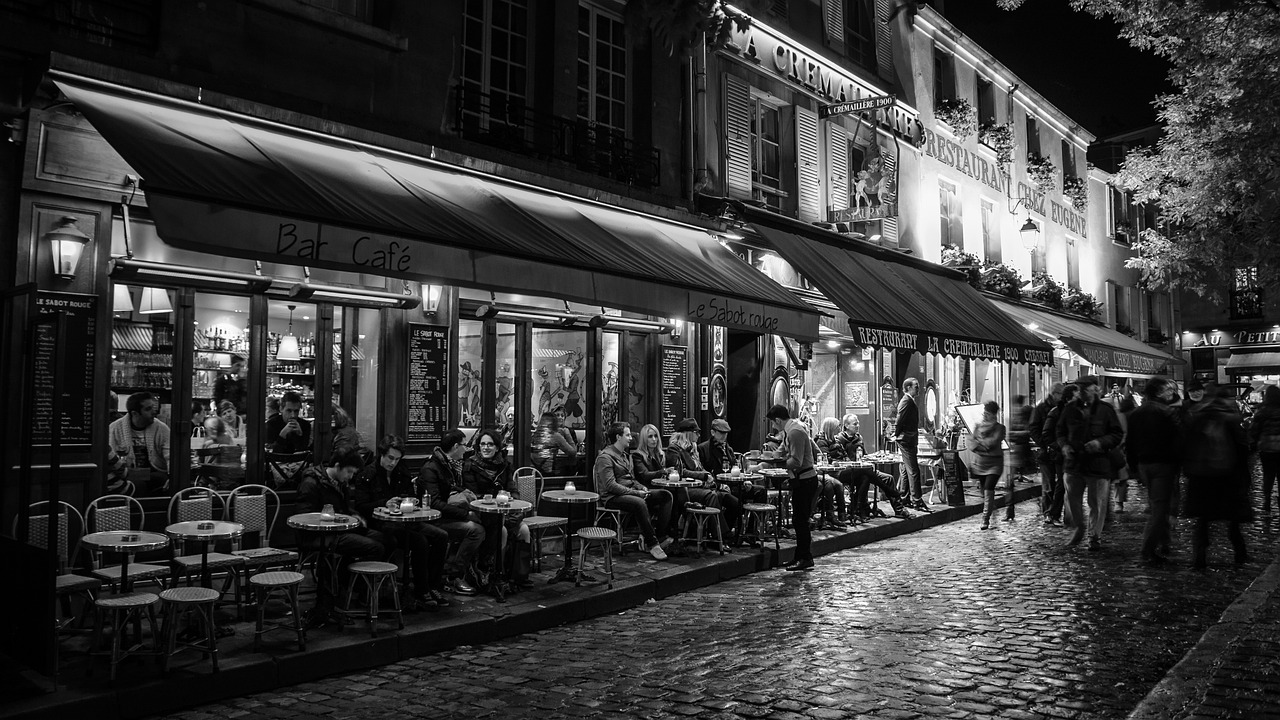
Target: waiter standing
[(907, 435), (798, 449)]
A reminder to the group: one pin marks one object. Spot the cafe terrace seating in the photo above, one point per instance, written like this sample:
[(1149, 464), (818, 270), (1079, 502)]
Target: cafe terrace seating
[(529, 482), (197, 503), (69, 527), (257, 508), (119, 512)]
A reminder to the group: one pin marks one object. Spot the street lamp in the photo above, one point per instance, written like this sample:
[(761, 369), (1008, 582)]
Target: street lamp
[(1030, 232)]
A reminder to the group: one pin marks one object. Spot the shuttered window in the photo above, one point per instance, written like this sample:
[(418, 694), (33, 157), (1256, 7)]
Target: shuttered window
[(990, 232), (838, 187), (766, 153), (737, 137), (950, 214), (833, 22), (808, 174), (884, 39), (860, 32)]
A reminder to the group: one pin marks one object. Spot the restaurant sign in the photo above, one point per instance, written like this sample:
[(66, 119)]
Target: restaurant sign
[(948, 345), (1115, 359), (1248, 337), (1057, 213)]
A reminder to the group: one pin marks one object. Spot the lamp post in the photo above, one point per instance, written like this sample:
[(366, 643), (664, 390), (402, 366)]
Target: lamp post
[(66, 243)]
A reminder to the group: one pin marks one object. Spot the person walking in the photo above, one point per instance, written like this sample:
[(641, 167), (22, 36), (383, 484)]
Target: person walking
[(1050, 434), (1019, 438), (1264, 436), (987, 444), (1047, 456), (1087, 431), (1216, 464), (1153, 446), (797, 448), (907, 435)]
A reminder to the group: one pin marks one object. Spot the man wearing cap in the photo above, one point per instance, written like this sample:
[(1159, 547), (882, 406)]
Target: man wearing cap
[(907, 435), (797, 447), (1087, 431), (682, 455), (1049, 458), (718, 456)]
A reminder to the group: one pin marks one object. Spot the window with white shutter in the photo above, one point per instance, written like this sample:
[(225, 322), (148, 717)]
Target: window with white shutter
[(833, 22), (808, 174), (737, 137), (837, 167)]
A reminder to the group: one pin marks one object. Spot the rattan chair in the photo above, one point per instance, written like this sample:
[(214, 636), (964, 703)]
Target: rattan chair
[(529, 487), (197, 503), (119, 512), (67, 584), (257, 507)]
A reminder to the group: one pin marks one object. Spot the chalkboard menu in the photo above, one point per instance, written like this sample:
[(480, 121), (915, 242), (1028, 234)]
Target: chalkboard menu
[(80, 322), (888, 409), (428, 379), (674, 380)]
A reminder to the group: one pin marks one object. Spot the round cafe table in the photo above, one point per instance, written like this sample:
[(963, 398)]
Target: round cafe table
[(577, 499), (416, 515), (328, 528), (776, 476), (126, 543), (664, 482), (205, 532), (491, 508)]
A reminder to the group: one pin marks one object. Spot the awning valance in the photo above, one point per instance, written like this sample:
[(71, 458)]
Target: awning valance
[(902, 305), (234, 185), (1101, 346), (1254, 363)]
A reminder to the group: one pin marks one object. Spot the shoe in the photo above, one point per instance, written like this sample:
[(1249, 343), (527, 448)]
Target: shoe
[(458, 586), (1074, 541), (1050, 522), (1095, 544), (438, 598), (1119, 507), (802, 565), (833, 524), (986, 523), (791, 563), (666, 543), (902, 514), (657, 552)]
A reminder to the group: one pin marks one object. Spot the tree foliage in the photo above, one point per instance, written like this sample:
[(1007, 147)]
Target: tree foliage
[(1215, 174), (680, 25)]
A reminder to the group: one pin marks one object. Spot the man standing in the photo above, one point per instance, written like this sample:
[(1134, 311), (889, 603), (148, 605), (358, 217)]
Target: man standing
[(907, 435), (142, 441), (1049, 458), (1153, 447), (1087, 431), (797, 448)]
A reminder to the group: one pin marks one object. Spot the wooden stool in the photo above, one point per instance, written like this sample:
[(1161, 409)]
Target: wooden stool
[(373, 575), (264, 584), (763, 515), (185, 600), (699, 517), (124, 608), (604, 537)]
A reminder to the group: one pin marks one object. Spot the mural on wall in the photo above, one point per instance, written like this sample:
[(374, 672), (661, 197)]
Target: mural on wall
[(558, 377), (609, 403), (469, 394), (637, 370)]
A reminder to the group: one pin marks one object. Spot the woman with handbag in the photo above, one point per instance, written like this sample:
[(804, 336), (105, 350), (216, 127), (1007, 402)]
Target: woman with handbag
[(987, 444)]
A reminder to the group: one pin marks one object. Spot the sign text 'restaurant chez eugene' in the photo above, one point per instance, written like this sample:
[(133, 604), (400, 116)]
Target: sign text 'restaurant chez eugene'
[(922, 343)]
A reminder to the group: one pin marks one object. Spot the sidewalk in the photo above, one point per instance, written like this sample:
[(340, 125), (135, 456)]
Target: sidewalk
[(141, 690), (1234, 670)]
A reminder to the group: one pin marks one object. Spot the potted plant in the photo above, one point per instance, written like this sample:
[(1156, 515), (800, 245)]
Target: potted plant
[(959, 115), (1045, 290), (968, 263), (1002, 279), (998, 137), (1077, 191), (1080, 303), (1041, 171)]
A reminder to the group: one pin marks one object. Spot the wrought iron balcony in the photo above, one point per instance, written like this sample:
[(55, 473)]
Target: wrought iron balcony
[(511, 125)]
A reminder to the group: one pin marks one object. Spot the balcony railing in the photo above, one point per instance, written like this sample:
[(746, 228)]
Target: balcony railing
[(511, 125)]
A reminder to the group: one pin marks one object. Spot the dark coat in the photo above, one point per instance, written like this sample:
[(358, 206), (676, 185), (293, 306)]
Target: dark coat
[(907, 425), (1155, 434), (713, 454), (1077, 426), (438, 479), (487, 479), (682, 460), (1225, 496), (372, 488), (644, 468)]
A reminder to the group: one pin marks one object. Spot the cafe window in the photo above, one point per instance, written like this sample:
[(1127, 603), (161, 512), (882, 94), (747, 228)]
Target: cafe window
[(944, 76), (951, 215), (766, 152), (495, 67), (142, 361), (559, 385), (355, 375), (611, 410), (860, 32), (602, 68), (1120, 215), (470, 367), (220, 405), (1033, 136), (990, 232), (637, 379), (986, 101)]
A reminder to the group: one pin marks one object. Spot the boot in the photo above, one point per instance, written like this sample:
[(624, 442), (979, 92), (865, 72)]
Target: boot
[(986, 520), (833, 523)]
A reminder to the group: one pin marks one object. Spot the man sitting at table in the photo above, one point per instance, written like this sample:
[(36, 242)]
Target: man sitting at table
[(620, 491), (848, 445), (717, 453), (287, 432), (425, 544), (441, 479), (142, 442), (682, 455), (330, 485)]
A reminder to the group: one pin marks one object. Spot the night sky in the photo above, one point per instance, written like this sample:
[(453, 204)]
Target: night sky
[(1076, 61)]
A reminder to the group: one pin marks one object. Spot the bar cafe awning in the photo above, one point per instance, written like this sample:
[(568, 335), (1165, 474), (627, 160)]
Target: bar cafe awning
[(1253, 363), (229, 184), (895, 301), (1101, 346)]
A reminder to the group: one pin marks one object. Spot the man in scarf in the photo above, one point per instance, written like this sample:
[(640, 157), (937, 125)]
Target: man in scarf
[(441, 479)]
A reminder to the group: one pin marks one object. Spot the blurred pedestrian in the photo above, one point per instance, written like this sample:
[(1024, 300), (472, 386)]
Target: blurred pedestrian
[(1019, 437), (1050, 434), (1087, 432), (1047, 456), (1153, 446), (1264, 436), (987, 444), (1215, 461)]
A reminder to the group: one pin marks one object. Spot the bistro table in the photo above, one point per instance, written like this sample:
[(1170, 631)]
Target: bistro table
[(328, 526), (500, 510), (666, 482), (574, 499), (127, 543), (417, 514), (776, 476), (205, 532)]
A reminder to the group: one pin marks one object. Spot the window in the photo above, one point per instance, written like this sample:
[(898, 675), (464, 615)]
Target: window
[(1147, 215), (1033, 135), (1038, 263), (860, 32), (495, 67), (950, 214), (602, 69), (1246, 294), (1120, 307), (990, 232), (1120, 218), (944, 76), (1068, 162), (766, 153), (986, 102), (1073, 263), (1159, 317)]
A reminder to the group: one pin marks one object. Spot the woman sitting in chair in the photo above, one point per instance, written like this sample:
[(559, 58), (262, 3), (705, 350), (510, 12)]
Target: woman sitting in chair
[(486, 473), (682, 456)]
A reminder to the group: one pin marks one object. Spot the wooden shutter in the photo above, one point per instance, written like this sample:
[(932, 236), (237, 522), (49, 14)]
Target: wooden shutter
[(737, 137), (833, 22), (884, 40), (889, 232), (808, 174), (837, 167)]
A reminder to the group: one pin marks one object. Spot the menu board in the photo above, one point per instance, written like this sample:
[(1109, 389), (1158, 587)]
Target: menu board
[(888, 410), (428, 395), (674, 381), (80, 322)]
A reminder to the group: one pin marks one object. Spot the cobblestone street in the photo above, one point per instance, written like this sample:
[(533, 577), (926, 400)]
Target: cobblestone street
[(949, 622)]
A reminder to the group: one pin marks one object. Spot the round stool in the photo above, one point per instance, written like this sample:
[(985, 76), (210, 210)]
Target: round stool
[(122, 609), (699, 517), (264, 585), (762, 514), (374, 575), (591, 535), (187, 600)]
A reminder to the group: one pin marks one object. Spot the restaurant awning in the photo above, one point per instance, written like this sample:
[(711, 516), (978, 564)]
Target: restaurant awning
[(895, 301), (1253, 363), (226, 183), (1101, 346)]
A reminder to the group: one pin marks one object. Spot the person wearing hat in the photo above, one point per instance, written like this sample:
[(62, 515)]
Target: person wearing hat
[(1087, 431), (798, 451), (717, 455), (682, 455)]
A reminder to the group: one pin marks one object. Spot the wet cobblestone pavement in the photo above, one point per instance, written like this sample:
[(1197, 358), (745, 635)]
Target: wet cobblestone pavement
[(949, 622)]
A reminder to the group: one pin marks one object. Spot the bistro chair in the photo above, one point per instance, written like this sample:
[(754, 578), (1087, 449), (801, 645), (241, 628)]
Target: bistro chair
[(529, 486), (620, 521), (374, 575), (593, 535), (286, 468), (264, 585), (117, 513), (696, 521), (191, 601), (257, 507), (197, 503), (67, 585)]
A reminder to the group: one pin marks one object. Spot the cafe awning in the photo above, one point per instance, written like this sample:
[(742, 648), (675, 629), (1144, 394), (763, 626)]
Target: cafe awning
[(1253, 363), (895, 301), (230, 184), (1101, 346)]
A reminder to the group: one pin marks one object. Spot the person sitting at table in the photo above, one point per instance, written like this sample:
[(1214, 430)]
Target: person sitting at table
[(235, 424), (682, 456), (215, 433), (330, 485), (424, 543), (848, 445), (831, 490), (489, 472), (619, 490), (197, 419), (441, 480), (553, 452), (142, 441), (717, 453), (287, 432), (345, 435), (649, 463)]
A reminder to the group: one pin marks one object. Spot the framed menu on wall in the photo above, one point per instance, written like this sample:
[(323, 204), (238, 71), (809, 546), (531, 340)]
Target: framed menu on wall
[(428, 379), (674, 382), (79, 313)]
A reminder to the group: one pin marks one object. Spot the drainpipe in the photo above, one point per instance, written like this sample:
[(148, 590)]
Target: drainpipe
[(696, 166)]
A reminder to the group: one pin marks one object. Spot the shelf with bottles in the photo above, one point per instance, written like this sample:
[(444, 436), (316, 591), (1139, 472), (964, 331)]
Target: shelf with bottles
[(141, 376), (306, 346), (219, 339)]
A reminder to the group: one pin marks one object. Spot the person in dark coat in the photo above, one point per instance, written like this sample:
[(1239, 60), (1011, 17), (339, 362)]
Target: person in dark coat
[(1048, 457), (1050, 434), (907, 435), (1153, 447), (1264, 436), (1215, 460), (441, 479), (1087, 431)]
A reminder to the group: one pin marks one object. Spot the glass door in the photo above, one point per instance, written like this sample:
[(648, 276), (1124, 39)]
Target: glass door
[(220, 407), (142, 391)]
